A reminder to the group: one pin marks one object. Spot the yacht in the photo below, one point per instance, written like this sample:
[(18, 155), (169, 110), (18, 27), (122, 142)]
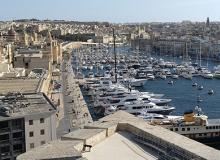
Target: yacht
[(210, 92), (150, 76), (194, 84), (162, 76), (207, 75), (134, 82), (154, 117), (186, 75), (216, 74), (157, 101), (135, 107), (175, 76)]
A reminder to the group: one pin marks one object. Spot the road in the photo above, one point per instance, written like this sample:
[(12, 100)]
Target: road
[(64, 125)]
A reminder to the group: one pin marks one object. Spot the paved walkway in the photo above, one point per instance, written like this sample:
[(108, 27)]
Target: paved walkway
[(74, 112)]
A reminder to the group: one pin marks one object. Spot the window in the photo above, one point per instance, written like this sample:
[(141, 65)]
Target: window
[(31, 122), (188, 129), (176, 129), (42, 142), (183, 129), (171, 129), (42, 120), (31, 145), (42, 132), (31, 134)]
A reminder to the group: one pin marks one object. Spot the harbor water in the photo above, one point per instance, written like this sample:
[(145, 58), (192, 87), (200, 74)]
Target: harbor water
[(183, 94)]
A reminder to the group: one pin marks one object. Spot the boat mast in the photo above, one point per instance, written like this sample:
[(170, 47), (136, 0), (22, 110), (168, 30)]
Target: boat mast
[(113, 30), (200, 54)]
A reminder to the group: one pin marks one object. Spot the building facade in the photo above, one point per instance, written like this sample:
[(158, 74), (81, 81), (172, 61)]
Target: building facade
[(26, 121)]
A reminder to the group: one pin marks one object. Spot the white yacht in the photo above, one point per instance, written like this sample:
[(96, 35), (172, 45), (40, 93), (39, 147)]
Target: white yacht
[(207, 74), (175, 76), (150, 76), (154, 117), (186, 75), (135, 107), (134, 82)]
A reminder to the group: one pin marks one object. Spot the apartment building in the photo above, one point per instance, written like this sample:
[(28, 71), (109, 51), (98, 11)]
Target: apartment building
[(26, 121)]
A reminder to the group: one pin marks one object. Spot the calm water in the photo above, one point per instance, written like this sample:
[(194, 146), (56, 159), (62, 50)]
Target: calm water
[(184, 96)]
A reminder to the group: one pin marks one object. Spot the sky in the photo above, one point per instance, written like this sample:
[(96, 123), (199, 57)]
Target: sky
[(118, 11)]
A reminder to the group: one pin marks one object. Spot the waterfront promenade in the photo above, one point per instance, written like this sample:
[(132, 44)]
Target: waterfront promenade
[(73, 111)]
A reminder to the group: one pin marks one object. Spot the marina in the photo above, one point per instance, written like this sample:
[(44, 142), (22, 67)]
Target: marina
[(150, 87)]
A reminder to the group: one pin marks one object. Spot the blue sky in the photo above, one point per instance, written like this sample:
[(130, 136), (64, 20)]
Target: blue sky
[(112, 10)]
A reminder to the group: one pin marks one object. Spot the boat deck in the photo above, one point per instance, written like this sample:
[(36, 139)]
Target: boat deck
[(214, 122)]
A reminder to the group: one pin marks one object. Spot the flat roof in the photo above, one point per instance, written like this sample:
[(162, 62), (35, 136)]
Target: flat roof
[(23, 85), (52, 150), (102, 125), (166, 135), (82, 133), (18, 105), (119, 146)]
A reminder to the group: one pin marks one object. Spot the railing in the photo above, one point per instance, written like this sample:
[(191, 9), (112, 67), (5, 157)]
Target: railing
[(18, 139), (3, 142), (16, 152), (4, 154), (3, 130), (163, 152), (17, 127)]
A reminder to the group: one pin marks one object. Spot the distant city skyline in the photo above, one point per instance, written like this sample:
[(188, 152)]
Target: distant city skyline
[(116, 11)]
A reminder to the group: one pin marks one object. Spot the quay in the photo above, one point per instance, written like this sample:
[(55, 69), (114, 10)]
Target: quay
[(73, 112)]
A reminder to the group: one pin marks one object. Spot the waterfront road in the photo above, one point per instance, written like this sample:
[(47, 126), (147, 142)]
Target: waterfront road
[(64, 125), (73, 111)]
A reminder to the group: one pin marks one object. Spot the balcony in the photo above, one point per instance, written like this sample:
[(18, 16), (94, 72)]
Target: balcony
[(18, 140), (4, 130), (5, 155), (17, 128), (4, 142), (17, 152)]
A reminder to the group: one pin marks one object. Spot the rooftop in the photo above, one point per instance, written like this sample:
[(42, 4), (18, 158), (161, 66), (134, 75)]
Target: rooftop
[(23, 85), (55, 149), (82, 133), (15, 105), (123, 143), (119, 146), (166, 135)]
